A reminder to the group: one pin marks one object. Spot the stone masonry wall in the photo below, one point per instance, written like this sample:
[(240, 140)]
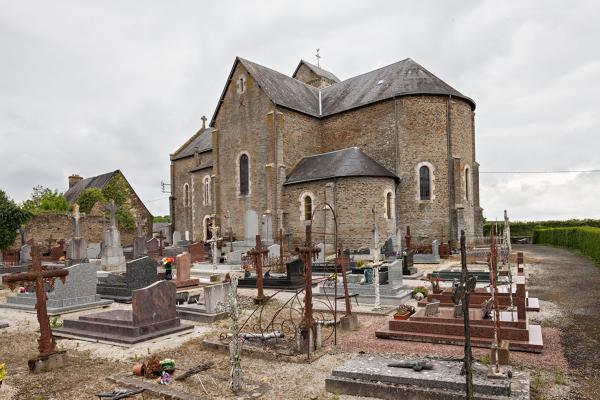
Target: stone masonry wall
[(353, 200), (244, 125)]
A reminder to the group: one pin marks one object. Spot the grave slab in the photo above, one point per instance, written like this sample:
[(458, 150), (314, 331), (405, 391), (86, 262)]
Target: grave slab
[(370, 376), (152, 315), (4, 324), (77, 293)]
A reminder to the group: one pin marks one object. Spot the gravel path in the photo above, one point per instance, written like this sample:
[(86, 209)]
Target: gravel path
[(569, 287)]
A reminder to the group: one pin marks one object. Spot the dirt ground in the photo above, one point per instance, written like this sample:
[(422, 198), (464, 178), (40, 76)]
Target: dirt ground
[(567, 369)]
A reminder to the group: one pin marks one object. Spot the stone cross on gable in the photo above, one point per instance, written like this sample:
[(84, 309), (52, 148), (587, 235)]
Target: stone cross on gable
[(38, 277), (75, 218), (112, 208), (203, 121)]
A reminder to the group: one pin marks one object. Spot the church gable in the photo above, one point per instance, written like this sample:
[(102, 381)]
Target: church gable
[(314, 75)]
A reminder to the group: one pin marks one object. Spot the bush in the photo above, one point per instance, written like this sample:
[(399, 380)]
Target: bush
[(11, 219), (526, 228), (88, 198), (586, 239), (420, 289), (44, 200)]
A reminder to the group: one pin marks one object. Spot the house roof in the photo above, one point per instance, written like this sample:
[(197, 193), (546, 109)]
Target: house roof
[(201, 140), (317, 70), (340, 163), (402, 78), (94, 182)]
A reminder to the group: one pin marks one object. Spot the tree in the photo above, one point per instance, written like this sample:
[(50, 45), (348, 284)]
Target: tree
[(161, 218), (11, 219), (44, 199)]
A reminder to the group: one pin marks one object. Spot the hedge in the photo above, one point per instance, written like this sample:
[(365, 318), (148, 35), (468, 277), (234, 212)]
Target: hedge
[(584, 239), (526, 228)]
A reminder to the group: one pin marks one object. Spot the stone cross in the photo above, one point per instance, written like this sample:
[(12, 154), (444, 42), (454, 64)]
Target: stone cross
[(376, 263), (138, 229), (213, 245), (307, 253), (203, 121), (75, 218), (112, 208), (407, 238), (258, 254), (235, 347), (39, 277), (279, 239), (460, 295), (507, 232)]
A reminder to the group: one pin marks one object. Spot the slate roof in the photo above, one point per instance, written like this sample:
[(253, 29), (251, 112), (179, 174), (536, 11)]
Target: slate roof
[(402, 78), (284, 90), (94, 182), (201, 140), (317, 70), (336, 164)]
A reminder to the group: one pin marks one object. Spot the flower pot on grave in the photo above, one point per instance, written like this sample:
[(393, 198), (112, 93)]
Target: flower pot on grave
[(139, 369), (402, 316), (368, 272)]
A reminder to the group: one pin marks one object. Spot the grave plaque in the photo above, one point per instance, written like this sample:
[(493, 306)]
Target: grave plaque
[(212, 309), (183, 266), (138, 274), (197, 252), (432, 308)]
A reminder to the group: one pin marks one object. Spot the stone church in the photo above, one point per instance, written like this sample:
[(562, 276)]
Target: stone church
[(393, 147)]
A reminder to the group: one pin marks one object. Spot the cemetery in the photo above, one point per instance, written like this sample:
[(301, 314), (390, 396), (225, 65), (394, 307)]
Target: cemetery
[(320, 235)]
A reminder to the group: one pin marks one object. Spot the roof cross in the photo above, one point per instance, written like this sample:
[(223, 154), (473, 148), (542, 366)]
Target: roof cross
[(318, 58)]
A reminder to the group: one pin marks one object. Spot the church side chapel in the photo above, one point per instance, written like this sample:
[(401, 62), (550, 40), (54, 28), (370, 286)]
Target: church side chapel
[(394, 146)]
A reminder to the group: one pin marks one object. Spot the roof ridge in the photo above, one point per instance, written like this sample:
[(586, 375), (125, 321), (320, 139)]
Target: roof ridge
[(373, 70), (280, 73), (334, 151)]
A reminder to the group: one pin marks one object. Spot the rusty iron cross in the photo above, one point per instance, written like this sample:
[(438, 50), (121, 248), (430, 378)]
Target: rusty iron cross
[(258, 253), (343, 263), (39, 276), (307, 253)]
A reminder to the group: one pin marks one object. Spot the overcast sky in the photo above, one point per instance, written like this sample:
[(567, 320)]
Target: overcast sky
[(89, 87)]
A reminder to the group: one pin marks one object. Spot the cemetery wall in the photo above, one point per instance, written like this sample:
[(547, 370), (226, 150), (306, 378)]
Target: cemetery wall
[(245, 125), (353, 199), (58, 226)]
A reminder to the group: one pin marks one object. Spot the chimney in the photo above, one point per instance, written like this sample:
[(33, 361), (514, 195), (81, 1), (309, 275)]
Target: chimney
[(73, 179)]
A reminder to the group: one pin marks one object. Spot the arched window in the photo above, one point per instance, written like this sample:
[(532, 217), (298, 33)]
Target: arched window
[(467, 184), (244, 179), (388, 205), (424, 183), (186, 195), (307, 208), (207, 190)]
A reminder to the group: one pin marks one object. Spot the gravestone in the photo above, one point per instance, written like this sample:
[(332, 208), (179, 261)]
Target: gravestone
[(139, 243), (176, 237), (152, 315), (432, 258), (77, 293), (435, 249), (458, 311), (432, 308), (274, 250), (25, 253), (321, 255), (77, 248), (197, 252), (58, 251), (93, 251), (250, 226), (138, 274), (388, 248), (113, 258), (183, 266), (152, 246), (212, 309), (293, 279), (235, 257)]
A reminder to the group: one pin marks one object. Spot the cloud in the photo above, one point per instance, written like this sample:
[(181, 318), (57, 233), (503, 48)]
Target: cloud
[(92, 87)]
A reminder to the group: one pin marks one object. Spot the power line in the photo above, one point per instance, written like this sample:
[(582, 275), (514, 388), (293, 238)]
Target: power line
[(162, 198), (542, 172)]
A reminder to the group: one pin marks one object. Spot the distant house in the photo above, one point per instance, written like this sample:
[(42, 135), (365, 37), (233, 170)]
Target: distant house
[(77, 185)]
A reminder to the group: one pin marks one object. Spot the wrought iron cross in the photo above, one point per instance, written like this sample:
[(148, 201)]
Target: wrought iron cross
[(307, 253), (460, 293), (258, 253), (39, 276)]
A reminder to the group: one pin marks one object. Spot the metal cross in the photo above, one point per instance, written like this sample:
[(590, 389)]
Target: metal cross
[(460, 293), (318, 58), (258, 254), (307, 253), (39, 276)]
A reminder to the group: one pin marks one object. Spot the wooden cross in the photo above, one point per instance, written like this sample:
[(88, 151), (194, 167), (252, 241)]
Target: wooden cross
[(258, 253), (307, 253), (39, 276), (343, 263), (460, 293)]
